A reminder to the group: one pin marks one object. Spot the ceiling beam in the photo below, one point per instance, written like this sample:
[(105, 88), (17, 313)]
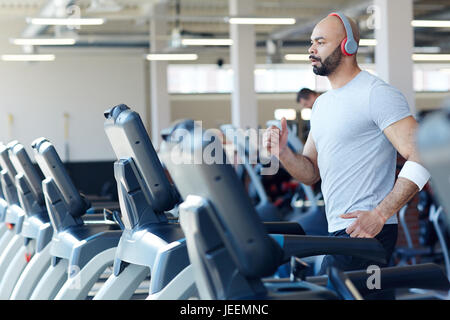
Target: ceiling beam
[(305, 27)]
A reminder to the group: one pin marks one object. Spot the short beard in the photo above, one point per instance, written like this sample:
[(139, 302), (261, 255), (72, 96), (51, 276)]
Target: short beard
[(330, 64)]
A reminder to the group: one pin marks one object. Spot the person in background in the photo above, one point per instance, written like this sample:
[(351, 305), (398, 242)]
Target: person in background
[(305, 98)]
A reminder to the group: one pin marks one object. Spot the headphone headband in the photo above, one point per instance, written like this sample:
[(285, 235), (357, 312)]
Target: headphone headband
[(351, 46)]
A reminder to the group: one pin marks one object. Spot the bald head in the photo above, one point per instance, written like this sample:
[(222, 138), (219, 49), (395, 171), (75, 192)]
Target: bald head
[(333, 27), (326, 55)]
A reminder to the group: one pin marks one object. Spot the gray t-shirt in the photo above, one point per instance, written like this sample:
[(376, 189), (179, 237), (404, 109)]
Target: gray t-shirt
[(356, 160)]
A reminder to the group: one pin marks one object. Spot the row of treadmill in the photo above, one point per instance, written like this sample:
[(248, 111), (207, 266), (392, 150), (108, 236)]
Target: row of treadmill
[(192, 235)]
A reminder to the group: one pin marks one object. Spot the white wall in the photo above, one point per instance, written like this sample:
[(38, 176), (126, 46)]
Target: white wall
[(37, 95)]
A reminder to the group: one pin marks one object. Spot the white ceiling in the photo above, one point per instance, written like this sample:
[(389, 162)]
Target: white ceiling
[(129, 19)]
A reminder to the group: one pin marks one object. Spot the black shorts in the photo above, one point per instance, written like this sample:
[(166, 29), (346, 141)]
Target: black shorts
[(387, 238)]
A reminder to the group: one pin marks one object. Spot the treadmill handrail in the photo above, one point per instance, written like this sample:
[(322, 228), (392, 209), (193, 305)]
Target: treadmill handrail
[(429, 276), (343, 285), (305, 246), (434, 218)]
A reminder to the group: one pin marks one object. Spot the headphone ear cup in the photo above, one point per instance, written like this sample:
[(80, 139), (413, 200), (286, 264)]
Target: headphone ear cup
[(343, 43)]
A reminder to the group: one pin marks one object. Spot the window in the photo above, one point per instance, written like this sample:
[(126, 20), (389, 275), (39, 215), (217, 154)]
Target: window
[(431, 77), (284, 78)]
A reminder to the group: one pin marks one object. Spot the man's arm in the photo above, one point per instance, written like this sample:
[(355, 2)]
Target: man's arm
[(401, 134), (302, 167)]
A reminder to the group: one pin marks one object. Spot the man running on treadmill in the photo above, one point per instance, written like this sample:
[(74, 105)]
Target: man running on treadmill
[(357, 128)]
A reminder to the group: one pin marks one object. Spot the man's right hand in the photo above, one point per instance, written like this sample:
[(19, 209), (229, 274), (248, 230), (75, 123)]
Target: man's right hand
[(275, 140)]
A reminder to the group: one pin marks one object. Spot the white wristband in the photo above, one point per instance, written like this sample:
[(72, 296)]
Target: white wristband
[(416, 173)]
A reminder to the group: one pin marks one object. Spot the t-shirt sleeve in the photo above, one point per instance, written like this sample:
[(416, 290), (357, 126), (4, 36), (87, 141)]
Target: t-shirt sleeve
[(387, 105)]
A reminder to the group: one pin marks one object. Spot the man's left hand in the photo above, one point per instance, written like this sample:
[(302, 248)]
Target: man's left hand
[(367, 224)]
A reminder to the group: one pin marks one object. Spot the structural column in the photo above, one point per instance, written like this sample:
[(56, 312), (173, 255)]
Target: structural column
[(244, 110), (395, 45), (160, 103)]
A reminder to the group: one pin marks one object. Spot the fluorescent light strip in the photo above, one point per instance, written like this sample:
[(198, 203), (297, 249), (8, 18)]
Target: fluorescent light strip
[(373, 42), (171, 56), (261, 20), (431, 57), (206, 42), (43, 42), (66, 21), (431, 23), (297, 57), (367, 42), (28, 57)]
